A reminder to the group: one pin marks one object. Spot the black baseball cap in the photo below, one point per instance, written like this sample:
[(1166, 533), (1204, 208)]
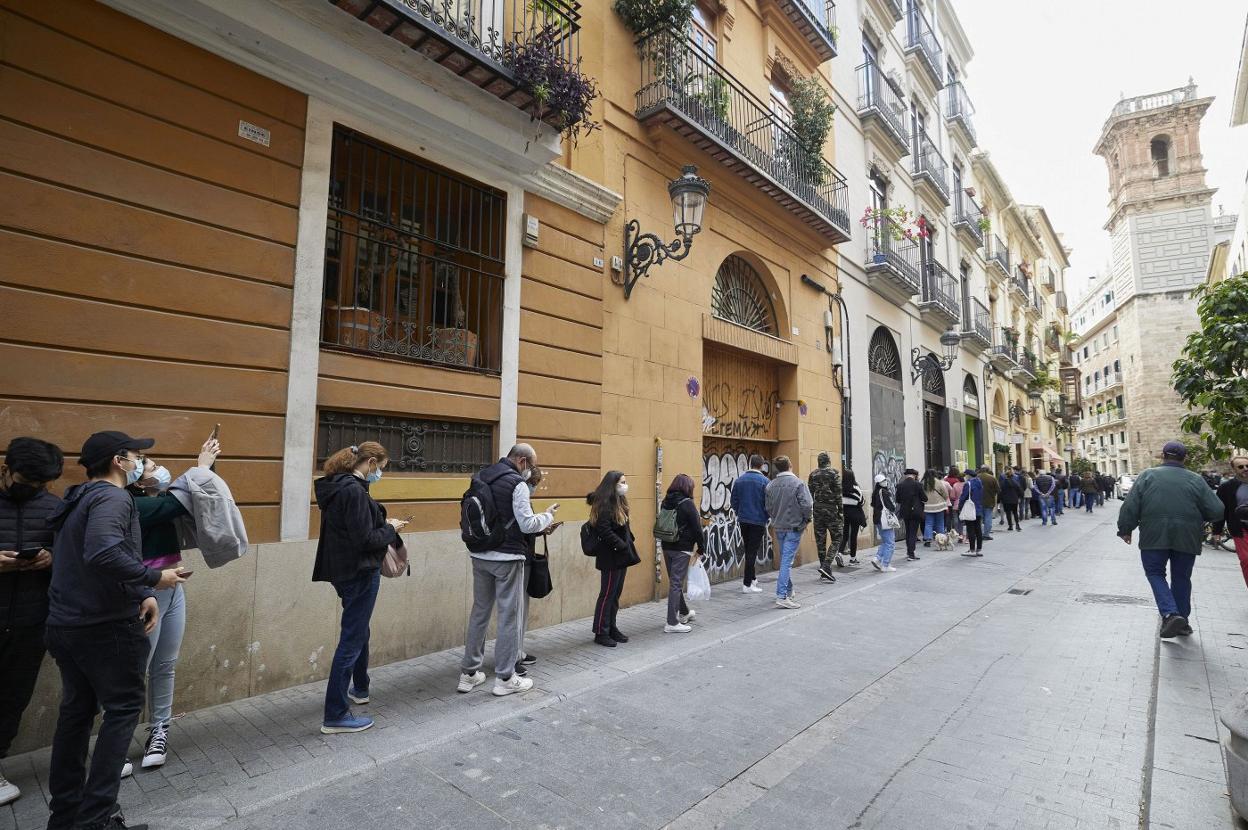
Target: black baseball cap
[(104, 445), (1175, 450)]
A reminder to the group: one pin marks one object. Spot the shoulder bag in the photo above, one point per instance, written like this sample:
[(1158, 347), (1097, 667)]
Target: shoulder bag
[(540, 584)]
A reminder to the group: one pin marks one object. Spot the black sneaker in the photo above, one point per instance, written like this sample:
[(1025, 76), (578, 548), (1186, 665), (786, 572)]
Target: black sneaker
[(927, 543), (913, 558), (604, 640), (521, 670), (1172, 626), (528, 659), (825, 573), (1187, 631), (617, 635)]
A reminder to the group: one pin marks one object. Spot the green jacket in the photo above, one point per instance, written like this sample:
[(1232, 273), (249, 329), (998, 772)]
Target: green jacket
[(156, 524), (1170, 505)]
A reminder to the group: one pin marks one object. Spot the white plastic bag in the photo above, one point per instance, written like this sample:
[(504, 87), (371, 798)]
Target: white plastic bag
[(698, 585), (969, 512)]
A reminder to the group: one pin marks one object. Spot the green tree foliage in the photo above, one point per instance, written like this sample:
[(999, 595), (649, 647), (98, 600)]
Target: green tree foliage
[(640, 16), (1211, 377)]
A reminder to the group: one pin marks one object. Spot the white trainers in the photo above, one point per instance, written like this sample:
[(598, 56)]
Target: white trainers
[(127, 769), (839, 559), (687, 618), (468, 682), (746, 589), (511, 685), (8, 792), (875, 563), (890, 569), (679, 628), (787, 602), (156, 751)]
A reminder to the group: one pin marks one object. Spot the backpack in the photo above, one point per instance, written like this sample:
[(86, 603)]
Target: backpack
[(589, 540), (666, 528), (480, 526)]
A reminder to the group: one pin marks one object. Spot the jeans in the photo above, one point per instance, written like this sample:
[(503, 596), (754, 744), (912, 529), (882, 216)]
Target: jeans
[(359, 596), (1175, 598), (500, 583), (789, 540), (1088, 501), (751, 547), (102, 667), (1075, 499), (933, 522), (21, 654), (1061, 501), (677, 562), (887, 544), (611, 585), (162, 659), (1048, 510)]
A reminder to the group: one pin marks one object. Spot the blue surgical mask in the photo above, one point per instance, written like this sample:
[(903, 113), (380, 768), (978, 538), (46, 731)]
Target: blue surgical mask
[(162, 477), (374, 476), (133, 476)]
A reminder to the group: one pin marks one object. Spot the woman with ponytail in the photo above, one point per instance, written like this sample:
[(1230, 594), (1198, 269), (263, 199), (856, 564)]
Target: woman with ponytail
[(614, 555), (354, 536)]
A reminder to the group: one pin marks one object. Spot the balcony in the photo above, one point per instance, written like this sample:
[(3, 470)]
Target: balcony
[(1061, 302), (969, 219), (999, 255), (1020, 284), (1050, 279), (940, 295), (476, 38), (894, 7), (977, 327), (930, 171), (1035, 305), (1004, 349), (882, 110), (686, 89), (921, 42), (815, 21), (958, 110), (1027, 364), (893, 267)]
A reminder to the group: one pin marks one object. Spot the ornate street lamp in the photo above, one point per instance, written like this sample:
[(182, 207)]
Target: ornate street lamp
[(1017, 411), (918, 358), (641, 250)]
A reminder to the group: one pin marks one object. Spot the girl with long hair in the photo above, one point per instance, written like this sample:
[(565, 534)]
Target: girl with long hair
[(855, 516), (614, 553), (678, 554), (935, 505)]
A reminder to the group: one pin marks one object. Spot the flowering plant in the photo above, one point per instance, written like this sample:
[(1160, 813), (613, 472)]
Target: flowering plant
[(898, 221)]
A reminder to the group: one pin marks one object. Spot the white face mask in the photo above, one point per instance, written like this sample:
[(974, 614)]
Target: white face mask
[(526, 474), (132, 476), (622, 488), (162, 477)]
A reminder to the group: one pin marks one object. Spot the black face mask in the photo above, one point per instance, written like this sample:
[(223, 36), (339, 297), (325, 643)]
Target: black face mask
[(22, 492)]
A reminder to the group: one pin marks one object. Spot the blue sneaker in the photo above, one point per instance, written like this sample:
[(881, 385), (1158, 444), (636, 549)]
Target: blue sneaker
[(357, 696), (351, 723)]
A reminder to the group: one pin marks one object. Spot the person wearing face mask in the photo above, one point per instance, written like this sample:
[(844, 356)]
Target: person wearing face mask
[(614, 554), (26, 509), (353, 540), (526, 658), (102, 606), (158, 515), (498, 574)]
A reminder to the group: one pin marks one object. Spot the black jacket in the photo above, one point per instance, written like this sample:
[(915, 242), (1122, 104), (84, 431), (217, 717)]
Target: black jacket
[(688, 522), (881, 498), (354, 534), (98, 573), (25, 525), (502, 478), (616, 548), (910, 500), (854, 514), (1227, 493), (1011, 490)]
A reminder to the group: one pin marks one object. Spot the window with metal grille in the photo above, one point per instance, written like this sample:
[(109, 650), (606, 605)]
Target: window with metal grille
[(413, 259), (415, 445)]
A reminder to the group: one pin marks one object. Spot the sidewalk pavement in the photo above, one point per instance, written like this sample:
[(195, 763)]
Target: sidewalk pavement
[(937, 692)]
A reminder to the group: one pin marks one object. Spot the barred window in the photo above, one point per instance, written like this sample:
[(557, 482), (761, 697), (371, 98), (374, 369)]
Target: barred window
[(415, 445)]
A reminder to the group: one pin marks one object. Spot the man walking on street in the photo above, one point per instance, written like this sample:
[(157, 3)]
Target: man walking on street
[(1233, 493), (991, 491), (750, 504), (1046, 486), (789, 506), (1170, 505), (825, 490), (1088, 489), (910, 501), (1063, 482)]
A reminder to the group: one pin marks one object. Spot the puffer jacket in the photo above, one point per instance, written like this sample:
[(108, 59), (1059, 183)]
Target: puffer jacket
[(354, 533), (25, 525)]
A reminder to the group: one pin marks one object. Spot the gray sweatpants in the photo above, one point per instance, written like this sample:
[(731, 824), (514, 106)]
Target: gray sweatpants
[(501, 583)]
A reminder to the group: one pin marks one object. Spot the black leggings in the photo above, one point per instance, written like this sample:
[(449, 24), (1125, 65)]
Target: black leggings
[(608, 603), (850, 537), (975, 533), (1011, 516)]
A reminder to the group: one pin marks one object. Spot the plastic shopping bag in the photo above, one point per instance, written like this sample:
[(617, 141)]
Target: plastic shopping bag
[(698, 585)]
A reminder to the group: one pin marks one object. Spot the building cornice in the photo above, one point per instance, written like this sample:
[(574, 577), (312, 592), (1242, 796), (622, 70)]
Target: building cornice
[(574, 191)]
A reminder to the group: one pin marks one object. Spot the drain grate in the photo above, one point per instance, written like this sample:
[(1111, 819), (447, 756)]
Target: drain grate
[(1114, 599), (1019, 592)]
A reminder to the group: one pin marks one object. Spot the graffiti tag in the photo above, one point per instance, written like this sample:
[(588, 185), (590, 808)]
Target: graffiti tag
[(754, 414), (723, 535), (888, 464)]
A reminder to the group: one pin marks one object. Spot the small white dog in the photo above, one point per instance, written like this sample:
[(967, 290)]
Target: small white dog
[(942, 542)]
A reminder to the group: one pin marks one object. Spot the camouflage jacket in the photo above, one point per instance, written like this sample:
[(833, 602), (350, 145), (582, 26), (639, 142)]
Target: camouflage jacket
[(825, 489)]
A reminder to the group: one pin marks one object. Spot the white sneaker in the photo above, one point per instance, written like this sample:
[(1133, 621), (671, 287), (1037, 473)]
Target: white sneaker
[(156, 751), (679, 628), (787, 602), (511, 685), (687, 618), (127, 769), (8, 792), (754, 589), (746, 589), (468, 682), (890, 569), (875, 563)]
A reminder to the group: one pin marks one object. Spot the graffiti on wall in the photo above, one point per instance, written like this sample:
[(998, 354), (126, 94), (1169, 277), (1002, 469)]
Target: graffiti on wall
[(723, 533), (747, 412), (889, 464)]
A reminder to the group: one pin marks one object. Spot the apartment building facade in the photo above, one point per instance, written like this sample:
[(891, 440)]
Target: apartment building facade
[(1104, 426)]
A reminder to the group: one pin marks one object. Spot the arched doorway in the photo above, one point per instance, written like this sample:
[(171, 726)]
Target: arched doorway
[(975, 453), (888, 433), (934, 417), (740, 395)]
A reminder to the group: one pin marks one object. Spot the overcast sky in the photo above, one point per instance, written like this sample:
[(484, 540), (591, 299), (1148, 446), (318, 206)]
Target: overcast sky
[(1046, 74)]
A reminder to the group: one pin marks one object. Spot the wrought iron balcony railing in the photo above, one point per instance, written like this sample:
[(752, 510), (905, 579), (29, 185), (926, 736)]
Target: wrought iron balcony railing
[(922, 40), (896, 260), (877, 98), (958, 110), (1019, 282), (1027, 363), (940, 292), (686, 88), (999, 255), (1050, 278), (815, 20), (969, 217), (977, 324), (475, 38), (1004, 348), (930, 166)]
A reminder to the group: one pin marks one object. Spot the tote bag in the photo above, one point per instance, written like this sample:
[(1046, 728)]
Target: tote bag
[(969, 512), (889, 520), (540, 584)]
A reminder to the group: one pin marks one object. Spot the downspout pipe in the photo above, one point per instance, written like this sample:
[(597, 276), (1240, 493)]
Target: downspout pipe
[(841, 376)]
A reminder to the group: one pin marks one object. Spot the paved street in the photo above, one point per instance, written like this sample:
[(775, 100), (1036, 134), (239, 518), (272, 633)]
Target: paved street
[(1014, 691)]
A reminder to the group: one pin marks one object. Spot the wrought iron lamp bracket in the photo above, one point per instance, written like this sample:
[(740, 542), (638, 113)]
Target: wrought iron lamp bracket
[(642, 250), (918, 357)]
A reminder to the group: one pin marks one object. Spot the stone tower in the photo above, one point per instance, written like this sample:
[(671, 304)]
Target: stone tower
[(1161, 232)]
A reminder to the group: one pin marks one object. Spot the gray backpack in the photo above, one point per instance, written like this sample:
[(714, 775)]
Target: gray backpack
[(666, 528)]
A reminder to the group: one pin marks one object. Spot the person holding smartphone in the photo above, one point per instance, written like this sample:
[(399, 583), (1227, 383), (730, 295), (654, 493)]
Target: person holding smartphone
[(26, 509), (530, 544), (158, 515), (353, 540)]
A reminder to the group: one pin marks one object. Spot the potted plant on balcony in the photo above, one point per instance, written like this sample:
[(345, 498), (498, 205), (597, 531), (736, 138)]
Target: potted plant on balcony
[(985, 224), (563, 95), (642, 16), (710, 96), (812, 122), (897, 223)]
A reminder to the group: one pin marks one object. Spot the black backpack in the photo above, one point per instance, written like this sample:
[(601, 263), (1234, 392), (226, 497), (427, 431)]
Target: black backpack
[(589, 539), (480, 526)]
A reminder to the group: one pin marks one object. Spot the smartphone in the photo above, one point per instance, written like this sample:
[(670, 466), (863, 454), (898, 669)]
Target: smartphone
[(185, 574), (29, 553), (216, 430)]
